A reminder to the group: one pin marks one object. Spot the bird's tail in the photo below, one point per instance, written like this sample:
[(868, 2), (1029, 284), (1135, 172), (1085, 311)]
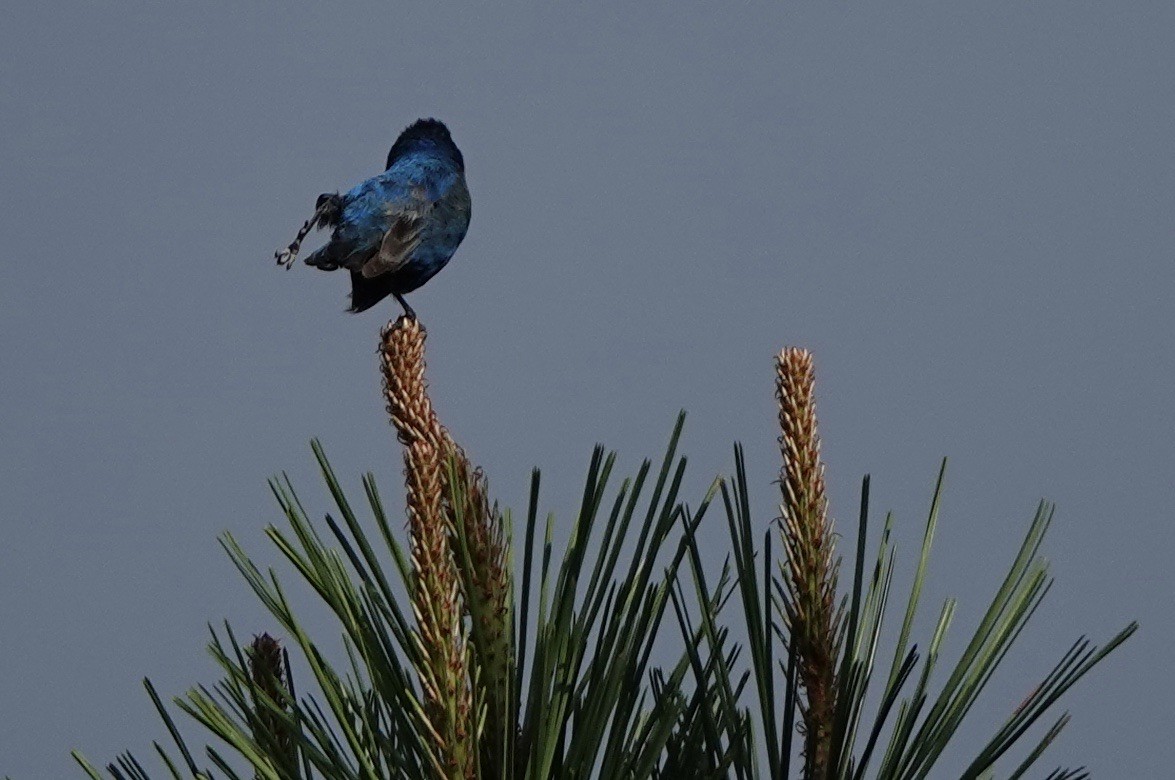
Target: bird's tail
[(366, 292)]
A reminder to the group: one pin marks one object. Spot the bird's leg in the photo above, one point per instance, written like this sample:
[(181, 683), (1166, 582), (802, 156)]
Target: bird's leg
[(287, 256), (323, 213), (407, 309)]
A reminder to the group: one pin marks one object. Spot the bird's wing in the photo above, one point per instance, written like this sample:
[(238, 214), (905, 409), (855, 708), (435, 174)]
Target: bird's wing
[(405, 219)]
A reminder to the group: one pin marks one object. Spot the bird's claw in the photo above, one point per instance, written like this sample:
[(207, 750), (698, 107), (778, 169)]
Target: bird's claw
[(287, 256)]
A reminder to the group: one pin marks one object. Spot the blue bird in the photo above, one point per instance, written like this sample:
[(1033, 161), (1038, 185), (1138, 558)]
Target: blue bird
[(396, 230)]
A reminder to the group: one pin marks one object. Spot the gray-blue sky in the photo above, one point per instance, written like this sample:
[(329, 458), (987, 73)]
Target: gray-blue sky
[(966, 213)]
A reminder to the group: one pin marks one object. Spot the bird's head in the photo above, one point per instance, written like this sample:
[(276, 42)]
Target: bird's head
[(426, 135)]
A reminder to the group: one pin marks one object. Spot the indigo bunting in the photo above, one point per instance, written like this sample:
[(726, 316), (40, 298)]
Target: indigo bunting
[(396, 230)]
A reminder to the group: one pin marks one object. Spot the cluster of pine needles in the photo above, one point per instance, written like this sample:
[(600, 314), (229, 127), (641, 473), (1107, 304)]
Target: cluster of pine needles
[(462, 661)]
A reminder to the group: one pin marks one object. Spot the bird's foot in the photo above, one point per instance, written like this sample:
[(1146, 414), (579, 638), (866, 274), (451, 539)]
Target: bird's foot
[(287, 256), (326, 210), (408, 310)]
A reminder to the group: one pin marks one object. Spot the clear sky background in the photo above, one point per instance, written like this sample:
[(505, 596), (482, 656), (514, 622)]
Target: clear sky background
[(965, 213)]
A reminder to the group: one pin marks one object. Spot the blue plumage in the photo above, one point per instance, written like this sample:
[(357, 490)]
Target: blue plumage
[(396, 230)]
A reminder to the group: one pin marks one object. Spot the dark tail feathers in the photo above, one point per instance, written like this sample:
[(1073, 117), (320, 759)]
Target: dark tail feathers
[(365, 292)]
